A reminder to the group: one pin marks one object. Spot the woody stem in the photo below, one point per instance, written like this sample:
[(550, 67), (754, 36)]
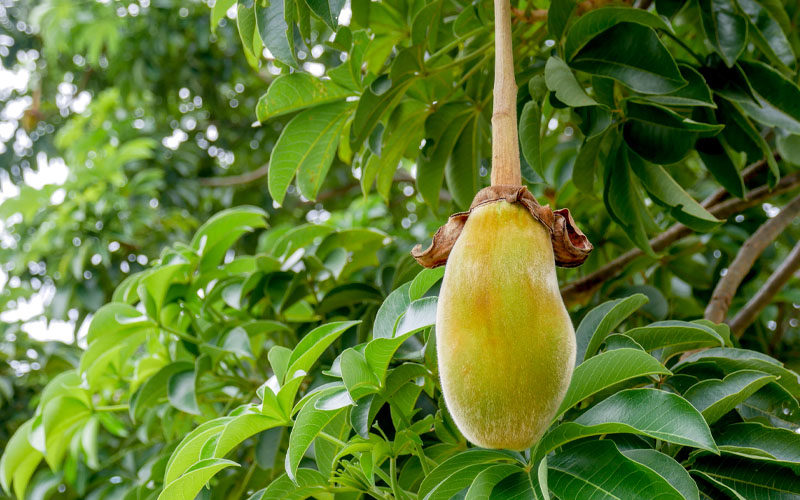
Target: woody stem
[(505, 152)]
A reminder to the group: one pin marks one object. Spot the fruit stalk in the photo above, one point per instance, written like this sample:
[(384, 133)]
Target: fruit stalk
[(505, 151)]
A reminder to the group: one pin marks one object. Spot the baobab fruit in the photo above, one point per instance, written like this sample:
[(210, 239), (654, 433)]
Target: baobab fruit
[(505, 341)]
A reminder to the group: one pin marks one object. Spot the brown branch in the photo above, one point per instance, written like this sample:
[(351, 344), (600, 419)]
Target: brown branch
[(235, 180), (580, 289), (505, 142), (762, 298), (727, 285)]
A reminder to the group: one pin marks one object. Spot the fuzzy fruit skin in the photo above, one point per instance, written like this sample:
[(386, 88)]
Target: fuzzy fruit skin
[(505, 342)]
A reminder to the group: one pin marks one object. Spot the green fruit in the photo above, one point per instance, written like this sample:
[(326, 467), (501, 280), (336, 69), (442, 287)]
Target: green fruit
[(505, 341)]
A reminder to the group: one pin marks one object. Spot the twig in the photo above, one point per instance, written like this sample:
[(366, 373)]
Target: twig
[(726, 287), (579, 289), (235, 180), (762, 298)]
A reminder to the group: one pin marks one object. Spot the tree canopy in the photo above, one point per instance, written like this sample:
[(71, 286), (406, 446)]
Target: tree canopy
[(220, 200)]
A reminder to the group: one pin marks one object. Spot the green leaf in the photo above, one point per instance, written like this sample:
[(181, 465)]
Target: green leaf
[(767, 34), (695, 93), (725, 27), (248, 33), (421, 314), (242, 427), (357, 375), (483, 484), (722, 162), (349, 294), (562, 81), (678, 335), (668, 417), (597, 469), (381, 97), (458, 472), (392, 308), (660, 135), (307, 146), (730, 360), (666, 467), (307, 483), (214, 238), (663, 188), (747, 480), (314, 344), (442, 130), (600, 321), (462, 169), (760, 442), (595, 22), (633, 55), (774, 404), (19, 461), (307, 426), (327, 10), (155, 388), (218, 12), (530, 137), (189, 485), (606, 370), (61, 417), (424, 281), (181, 391), (188, 451), (558, 16), (296, 91), (715, 398), (275, 32), (115, 326), (585, 166), (624, 201), (778, 97)]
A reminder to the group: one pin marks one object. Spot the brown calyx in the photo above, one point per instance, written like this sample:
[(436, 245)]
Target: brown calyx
[(570, 246)]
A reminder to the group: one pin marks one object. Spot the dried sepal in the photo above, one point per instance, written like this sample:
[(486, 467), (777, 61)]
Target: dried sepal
[(570, 246)]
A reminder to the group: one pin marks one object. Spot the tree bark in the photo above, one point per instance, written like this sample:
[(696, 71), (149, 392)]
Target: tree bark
[(763, 297), (726, 287)]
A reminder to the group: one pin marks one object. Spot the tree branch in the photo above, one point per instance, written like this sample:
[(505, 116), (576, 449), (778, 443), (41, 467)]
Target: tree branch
[(726, 287), (582, 288), (235, 180), (762, 298)]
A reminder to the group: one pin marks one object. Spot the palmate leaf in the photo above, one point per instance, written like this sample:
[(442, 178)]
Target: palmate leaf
[(307, 147), (189, 485), (296, 91), (669, 417), (597, 469), (601, 320), (606, 370), (19, 461), (458, 472), (715, 398), (747, 480), (760, 442)]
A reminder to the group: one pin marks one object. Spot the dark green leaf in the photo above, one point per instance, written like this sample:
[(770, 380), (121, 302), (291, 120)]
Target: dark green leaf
[(597, 469), (595, 22), (725, 27), (327, 10), (695, 93), (778, 98), (748, 480), (276, 33), (633, 55), (601, 320), (462, 169), (606, 370), (715, 398), (666, 467), (530, 137), (562, 81), (669, 417), (181, 392)]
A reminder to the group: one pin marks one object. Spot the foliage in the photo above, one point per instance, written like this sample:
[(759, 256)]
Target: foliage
[(296, 360), (351, 403)]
